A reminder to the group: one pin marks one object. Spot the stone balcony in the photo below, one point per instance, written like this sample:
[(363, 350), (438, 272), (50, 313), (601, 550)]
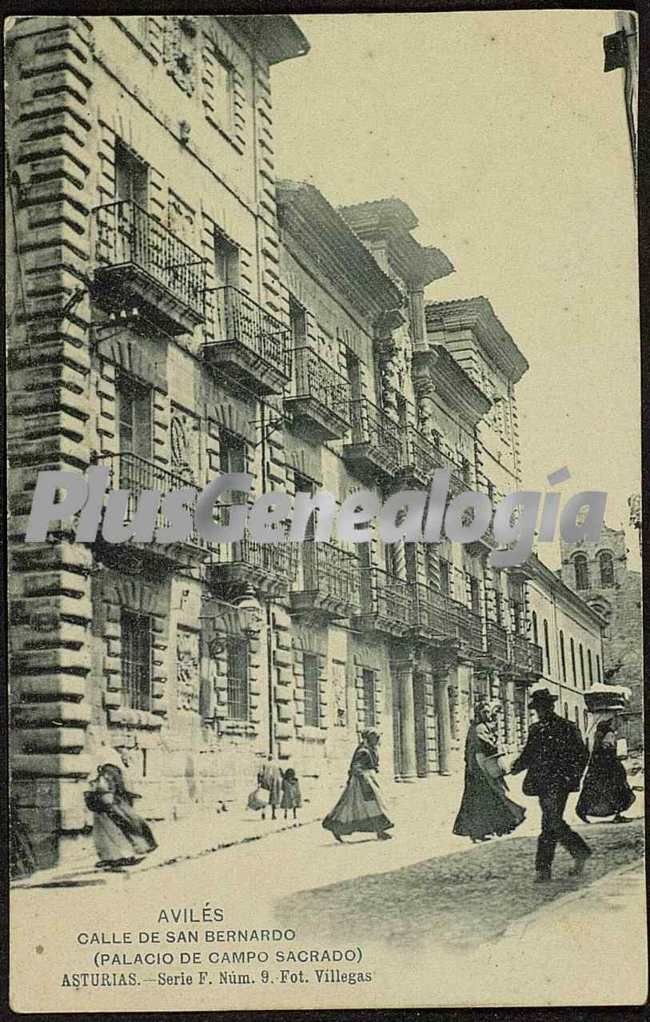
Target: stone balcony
[(375, 451), (327, 583), (497, 643), (320, 404), (140, 263), (526, 659), (246, 343), (387, 603), (434, 621), (268, 567), (468, 628)]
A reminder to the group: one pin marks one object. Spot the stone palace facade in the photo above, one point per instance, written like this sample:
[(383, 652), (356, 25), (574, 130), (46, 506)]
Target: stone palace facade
[(176, 312)]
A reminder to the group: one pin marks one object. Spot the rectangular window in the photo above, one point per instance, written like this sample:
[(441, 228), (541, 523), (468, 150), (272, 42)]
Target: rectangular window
[(133, 416), (390, 559), (131, 176), (444, 573), (572, 648), (219, 89), (298, 322), (582, 666), (136, 657), (547, 648), (238, 693), (475, 596), (498, 608), (226, 262), (562, 656), (354, 374), (598, 678), (312, 689), (590, 667), (369, 698), (232, 459)]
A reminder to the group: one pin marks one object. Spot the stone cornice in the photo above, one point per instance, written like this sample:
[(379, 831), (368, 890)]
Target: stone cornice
[(307, 217), (477, 315), (277, 35), (451, 381), (389, 222)]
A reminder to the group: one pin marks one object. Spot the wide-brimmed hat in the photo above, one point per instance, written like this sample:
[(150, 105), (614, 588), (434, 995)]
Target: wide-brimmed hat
[(542, 697)]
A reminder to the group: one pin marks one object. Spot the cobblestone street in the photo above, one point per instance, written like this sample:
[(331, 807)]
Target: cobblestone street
[(466, 922)]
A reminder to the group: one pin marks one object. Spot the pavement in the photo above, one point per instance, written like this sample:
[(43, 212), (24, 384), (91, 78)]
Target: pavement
[(437, 920)]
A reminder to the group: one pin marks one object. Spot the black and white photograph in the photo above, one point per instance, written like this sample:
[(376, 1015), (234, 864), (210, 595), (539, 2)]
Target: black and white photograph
[(323, 412)]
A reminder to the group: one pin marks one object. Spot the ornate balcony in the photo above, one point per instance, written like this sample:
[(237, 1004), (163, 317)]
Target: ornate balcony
[(468, 627), (420, 459), (526, 660), (497, 643), (267, 567), (134, 474), (376, 448), (328, 585), (387, 603), (433, 621), (247, 342), (140, 263), (321, 402)]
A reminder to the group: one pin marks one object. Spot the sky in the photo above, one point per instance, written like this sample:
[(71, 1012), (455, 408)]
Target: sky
[(502, 133)]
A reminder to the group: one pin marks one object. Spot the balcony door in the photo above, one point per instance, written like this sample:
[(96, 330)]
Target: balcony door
[(131, 176), (226, 263), (134, 433)]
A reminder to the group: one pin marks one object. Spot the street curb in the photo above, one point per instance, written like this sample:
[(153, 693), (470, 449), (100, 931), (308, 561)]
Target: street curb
[(516, 929), (43, 877)]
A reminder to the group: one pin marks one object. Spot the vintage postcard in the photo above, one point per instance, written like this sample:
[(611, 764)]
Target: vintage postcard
[(325, 523)]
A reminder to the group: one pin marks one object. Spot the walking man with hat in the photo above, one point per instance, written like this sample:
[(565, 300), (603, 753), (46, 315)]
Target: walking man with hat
[(555, 758)]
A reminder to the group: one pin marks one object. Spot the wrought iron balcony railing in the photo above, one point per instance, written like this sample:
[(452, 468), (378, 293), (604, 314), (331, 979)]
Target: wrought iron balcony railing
[(376, 441), (469, 626), (386, 601), (329, 581), (434, 619), (135, 474), (497, 641), (248, 340), (140, 259), (526, 656), (420, 457), (322, 395)]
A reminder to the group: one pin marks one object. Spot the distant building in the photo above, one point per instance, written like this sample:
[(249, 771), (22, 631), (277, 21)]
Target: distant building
[(599, 574)]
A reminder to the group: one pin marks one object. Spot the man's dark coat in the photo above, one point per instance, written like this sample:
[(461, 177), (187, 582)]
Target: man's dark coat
[(555, 757)]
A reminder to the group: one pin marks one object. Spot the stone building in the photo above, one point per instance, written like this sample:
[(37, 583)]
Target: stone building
[(599, 574), (147, 334), (175, 313), (569, 633)]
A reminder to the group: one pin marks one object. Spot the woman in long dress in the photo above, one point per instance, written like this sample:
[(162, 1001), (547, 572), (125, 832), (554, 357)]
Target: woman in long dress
[(122, 838), (605, 789), (485, 809), (361, 807)]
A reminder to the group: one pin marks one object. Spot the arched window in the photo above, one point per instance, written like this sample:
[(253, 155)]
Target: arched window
[(566, 710), (582, 571), (590, 667), (606, 565), (582, 665), (562, 656), (547, 648), (572, 649), (534, 615)]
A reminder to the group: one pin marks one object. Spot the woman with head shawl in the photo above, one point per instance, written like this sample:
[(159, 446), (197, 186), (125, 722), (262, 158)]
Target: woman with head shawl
[(605, 790), (360, 808), (485, 809), (122, 838)]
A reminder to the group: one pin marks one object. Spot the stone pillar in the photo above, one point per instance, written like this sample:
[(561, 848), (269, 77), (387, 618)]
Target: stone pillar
[(403, 674), (441, 689), (417, 319)]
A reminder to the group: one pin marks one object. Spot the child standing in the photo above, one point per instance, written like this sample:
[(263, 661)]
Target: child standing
[(291, 797)]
